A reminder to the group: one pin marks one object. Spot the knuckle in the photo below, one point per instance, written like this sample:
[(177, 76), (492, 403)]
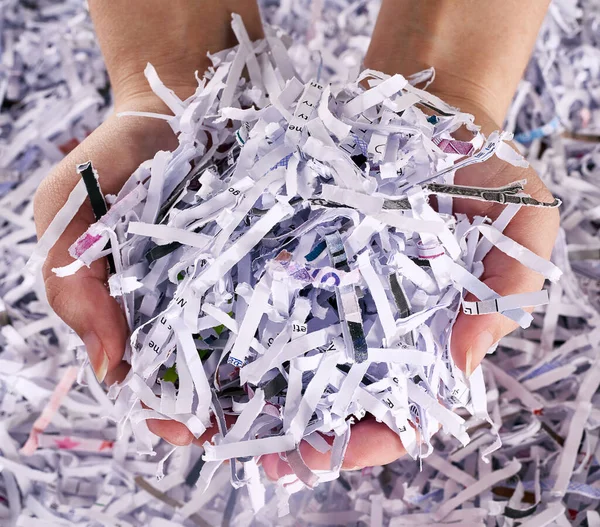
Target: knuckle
[(173, 432)]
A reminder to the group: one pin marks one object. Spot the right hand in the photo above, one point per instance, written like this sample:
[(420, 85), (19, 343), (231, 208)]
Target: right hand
[(175, 38)]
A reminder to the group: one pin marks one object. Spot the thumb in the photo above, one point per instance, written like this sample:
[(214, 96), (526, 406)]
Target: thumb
[(82, 300), (474, 335)]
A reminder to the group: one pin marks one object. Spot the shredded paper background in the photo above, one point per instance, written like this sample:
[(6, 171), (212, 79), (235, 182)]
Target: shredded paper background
[(62, 461)]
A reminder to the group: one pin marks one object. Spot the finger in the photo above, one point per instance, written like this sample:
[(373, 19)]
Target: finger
[(210, 432), (363, 451), (270, 464), (532, 227), (83, 300), (474, 335), (118, 374), (208, 435), (173, 432), (179, 435)]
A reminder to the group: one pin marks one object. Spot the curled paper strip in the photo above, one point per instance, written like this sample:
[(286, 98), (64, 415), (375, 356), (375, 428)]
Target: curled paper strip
[(505, 303)]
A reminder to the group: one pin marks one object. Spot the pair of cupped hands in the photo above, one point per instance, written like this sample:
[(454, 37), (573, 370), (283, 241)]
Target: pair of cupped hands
[(176, 44)]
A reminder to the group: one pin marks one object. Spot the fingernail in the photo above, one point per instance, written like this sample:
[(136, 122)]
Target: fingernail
[(480, 346), (98, 357)]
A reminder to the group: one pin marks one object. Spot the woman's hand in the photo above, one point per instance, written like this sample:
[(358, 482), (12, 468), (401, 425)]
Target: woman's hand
[(533, 227), (373, 443), (479, 51), (175, 37)]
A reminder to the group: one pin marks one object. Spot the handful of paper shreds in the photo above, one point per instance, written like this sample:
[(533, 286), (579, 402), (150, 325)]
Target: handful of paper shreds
[(283, 266)]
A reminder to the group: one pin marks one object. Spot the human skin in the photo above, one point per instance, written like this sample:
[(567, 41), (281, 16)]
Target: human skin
[(478, 66), (479, 51), (174, 36)]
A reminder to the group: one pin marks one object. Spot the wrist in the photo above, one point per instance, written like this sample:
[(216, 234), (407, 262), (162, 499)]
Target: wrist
[(132, 91), (173, 36), (482, 108), (486, 104), (478, 49)]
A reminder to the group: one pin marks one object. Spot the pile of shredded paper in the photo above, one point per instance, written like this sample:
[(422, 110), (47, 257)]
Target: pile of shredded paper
[(283, 266)]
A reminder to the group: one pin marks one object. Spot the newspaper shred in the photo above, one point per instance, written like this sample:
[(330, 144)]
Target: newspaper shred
[(299, 284)]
